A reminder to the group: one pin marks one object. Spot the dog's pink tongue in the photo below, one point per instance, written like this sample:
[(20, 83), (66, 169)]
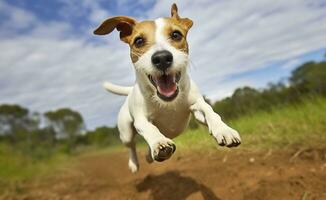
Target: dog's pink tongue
[(166, 85)]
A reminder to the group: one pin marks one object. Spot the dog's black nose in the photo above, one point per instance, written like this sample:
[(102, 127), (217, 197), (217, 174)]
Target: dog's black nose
[(162, 59)]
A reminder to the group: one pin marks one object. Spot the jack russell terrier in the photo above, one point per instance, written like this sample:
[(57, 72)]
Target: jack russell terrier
[(159, 105)]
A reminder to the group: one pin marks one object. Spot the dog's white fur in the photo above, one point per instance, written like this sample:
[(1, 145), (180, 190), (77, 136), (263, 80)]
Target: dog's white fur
[(158, 121)]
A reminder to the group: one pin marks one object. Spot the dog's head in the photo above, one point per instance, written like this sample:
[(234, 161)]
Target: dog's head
[(158, 50)]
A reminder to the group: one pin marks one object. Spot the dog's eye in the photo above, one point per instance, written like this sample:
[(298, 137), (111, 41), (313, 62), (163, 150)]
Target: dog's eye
[(176, 35), (139, 41)]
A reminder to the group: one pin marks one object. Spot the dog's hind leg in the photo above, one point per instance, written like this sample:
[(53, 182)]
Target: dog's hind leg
[(127, 134), (133, 160), (149, 158)]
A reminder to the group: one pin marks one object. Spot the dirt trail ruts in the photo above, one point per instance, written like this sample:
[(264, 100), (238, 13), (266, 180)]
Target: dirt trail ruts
[(208, 175)]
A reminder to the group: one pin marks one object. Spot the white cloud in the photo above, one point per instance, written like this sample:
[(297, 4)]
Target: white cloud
[(49, 67), (80, 8), (15, 19), (51, 73)]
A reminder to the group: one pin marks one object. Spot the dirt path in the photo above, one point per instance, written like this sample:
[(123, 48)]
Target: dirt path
[(212, 175)]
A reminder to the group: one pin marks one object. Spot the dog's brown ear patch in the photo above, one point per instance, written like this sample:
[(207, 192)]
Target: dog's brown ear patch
[(185, 22), (123, 24)]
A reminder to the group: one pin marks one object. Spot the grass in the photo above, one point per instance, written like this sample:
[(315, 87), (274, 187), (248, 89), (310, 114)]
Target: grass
[(20, 167), (303, 124), (16, 167)]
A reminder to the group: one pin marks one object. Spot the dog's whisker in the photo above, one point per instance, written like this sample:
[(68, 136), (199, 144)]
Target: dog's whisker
[(136, 54)]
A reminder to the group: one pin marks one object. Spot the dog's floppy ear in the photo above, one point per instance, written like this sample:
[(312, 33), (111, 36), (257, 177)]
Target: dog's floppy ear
[(186, 22), (123, 24)]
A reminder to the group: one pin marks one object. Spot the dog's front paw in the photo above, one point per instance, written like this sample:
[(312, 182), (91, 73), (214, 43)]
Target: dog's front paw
[(163, 150), (226, 136)]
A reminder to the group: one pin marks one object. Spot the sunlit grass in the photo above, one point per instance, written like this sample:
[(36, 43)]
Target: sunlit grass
[(16, 167), (303, 124)]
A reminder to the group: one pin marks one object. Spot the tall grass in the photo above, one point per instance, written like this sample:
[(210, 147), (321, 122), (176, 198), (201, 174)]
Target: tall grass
[(302, 124), (16, 166)]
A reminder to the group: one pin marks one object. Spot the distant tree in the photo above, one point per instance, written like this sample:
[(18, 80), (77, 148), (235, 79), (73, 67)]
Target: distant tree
[(12, 117), (103, 136), (307, 79), (310, 78), (225, 108), (16, 121), (245, 99), (272, 95), (66, 123)]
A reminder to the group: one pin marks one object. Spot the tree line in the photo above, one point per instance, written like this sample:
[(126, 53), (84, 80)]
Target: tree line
[(40, 135), (307, 80)]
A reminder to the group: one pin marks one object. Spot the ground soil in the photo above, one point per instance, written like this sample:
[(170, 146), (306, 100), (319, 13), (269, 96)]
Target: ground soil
[(188, 175)]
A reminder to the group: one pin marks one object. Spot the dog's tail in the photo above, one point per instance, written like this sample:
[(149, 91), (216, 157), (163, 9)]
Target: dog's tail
[(116, 89)]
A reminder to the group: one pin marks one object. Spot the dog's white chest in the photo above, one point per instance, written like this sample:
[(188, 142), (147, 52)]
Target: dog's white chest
[(171, 122)]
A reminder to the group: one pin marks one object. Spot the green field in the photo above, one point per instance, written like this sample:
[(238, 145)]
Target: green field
[(302, 125)]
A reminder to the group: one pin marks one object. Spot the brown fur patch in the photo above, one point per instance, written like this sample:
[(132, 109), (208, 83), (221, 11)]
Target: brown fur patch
[(173, 24), (146, 30)]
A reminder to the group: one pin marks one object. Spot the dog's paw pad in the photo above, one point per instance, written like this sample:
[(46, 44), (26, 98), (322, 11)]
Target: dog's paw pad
[(164, 151)]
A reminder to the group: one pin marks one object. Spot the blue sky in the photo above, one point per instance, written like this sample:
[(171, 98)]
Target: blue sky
[(50, 58)]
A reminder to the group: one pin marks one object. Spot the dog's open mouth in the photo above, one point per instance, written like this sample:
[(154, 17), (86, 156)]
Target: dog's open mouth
[(166, 85)]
